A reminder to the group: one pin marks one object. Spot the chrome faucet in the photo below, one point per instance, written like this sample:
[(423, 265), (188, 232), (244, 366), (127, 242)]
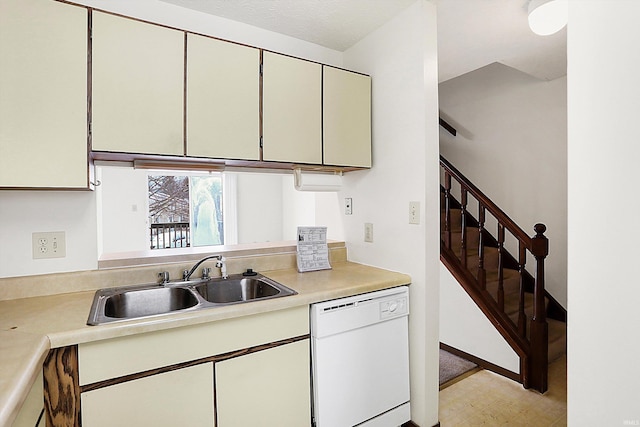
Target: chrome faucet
[(219, 264), (163, 277)]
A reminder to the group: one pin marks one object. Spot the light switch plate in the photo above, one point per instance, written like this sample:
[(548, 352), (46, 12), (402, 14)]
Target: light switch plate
[(414, 212), (48, 245), (368, 232)]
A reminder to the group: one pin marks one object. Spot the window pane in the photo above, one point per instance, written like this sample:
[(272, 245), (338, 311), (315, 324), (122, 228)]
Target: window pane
[(206, 208), (169, 211)]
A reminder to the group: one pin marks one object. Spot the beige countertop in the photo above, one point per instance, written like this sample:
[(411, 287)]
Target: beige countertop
[(29, 327)]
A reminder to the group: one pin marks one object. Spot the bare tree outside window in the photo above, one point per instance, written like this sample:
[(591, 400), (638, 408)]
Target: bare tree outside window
[(185, 211)]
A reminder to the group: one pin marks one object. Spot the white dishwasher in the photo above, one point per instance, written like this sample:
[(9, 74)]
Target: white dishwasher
[(360, 360)]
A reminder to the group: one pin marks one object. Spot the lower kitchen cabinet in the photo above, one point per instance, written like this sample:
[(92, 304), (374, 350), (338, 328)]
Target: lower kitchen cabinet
[(269, 388), (183, 397), (255, 368)]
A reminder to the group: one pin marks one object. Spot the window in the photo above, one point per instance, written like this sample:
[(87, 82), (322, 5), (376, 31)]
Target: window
[(185, 211), (252, 208)]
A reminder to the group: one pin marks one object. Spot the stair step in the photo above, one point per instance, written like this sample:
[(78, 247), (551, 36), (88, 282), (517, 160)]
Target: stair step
[(511, 279), (456, 215), (510, 282), (490, 259), (557, 339), (473, 238)]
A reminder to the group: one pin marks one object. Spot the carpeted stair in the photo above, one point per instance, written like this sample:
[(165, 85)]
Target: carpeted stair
[(511, 280)]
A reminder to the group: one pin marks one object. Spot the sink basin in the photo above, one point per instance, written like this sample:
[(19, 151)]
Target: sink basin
[(240, 289), (148, 302), (134, 302)]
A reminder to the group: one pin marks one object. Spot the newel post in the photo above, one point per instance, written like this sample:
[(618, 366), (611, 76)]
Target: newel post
[(539, 327)]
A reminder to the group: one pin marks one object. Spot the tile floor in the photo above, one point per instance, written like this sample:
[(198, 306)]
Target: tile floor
[(488, 399)]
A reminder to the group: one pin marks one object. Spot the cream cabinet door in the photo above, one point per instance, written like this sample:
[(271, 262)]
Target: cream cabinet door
[(32, 407), (137, 87), (292, 109), (43, 95), (270, 388), (346, 118), (183, 397), (223, 99)]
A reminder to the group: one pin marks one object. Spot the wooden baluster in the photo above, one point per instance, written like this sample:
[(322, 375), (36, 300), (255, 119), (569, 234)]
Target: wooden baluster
[(463, 225), (500, 295), (522, 316), (482, 276), (447, 209), (539, 327)]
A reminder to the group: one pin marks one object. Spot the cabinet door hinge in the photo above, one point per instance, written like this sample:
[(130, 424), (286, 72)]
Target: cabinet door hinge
[(261, 68), (261, 142)]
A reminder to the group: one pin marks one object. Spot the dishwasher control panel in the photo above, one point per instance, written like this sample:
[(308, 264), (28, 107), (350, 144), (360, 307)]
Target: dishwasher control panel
[(393, 307)]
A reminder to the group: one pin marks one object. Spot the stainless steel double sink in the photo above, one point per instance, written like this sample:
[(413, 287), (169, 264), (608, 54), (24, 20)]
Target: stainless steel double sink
[(140, 301)]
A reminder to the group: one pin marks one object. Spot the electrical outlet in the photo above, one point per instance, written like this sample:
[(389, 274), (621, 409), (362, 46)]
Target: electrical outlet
[(368, 232), (48, 245), (348, 206), (414, 212)]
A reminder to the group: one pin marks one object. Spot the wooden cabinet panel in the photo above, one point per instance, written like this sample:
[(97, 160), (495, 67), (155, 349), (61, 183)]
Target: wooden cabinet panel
[(346, 118), (43, 94), (275, 383), (223, 99), (292, 108), (138, 86), (183, 397)]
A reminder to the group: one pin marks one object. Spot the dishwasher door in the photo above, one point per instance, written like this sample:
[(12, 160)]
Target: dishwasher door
[(360, 360)]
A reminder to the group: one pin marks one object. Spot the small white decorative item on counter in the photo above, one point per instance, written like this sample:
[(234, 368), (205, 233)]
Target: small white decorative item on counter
[(313, 252)]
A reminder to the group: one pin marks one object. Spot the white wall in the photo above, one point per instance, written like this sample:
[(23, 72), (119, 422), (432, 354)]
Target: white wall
[(122, 209), (401, 57), (259, 207), (298, 209), (465, 327), (308, 208), (329, 213), (22, 213), (604, 295), (513, 146)]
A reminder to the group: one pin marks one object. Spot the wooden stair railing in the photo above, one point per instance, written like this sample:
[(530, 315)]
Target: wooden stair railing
[(467, 264)]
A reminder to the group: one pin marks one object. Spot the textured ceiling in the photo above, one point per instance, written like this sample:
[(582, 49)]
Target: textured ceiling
[(471, 33), (475, 33), (336, 24)]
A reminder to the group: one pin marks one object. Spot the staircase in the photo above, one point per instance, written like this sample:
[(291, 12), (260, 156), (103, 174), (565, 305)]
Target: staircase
[(477, 249)]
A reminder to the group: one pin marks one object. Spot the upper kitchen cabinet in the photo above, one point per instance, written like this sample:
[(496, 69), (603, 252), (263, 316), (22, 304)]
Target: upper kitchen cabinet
[(43, 95), (223, 99), (346, 118), (292, 110), (137, 86)]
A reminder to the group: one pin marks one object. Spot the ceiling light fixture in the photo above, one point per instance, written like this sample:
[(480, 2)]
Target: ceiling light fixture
[(548, 16)]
